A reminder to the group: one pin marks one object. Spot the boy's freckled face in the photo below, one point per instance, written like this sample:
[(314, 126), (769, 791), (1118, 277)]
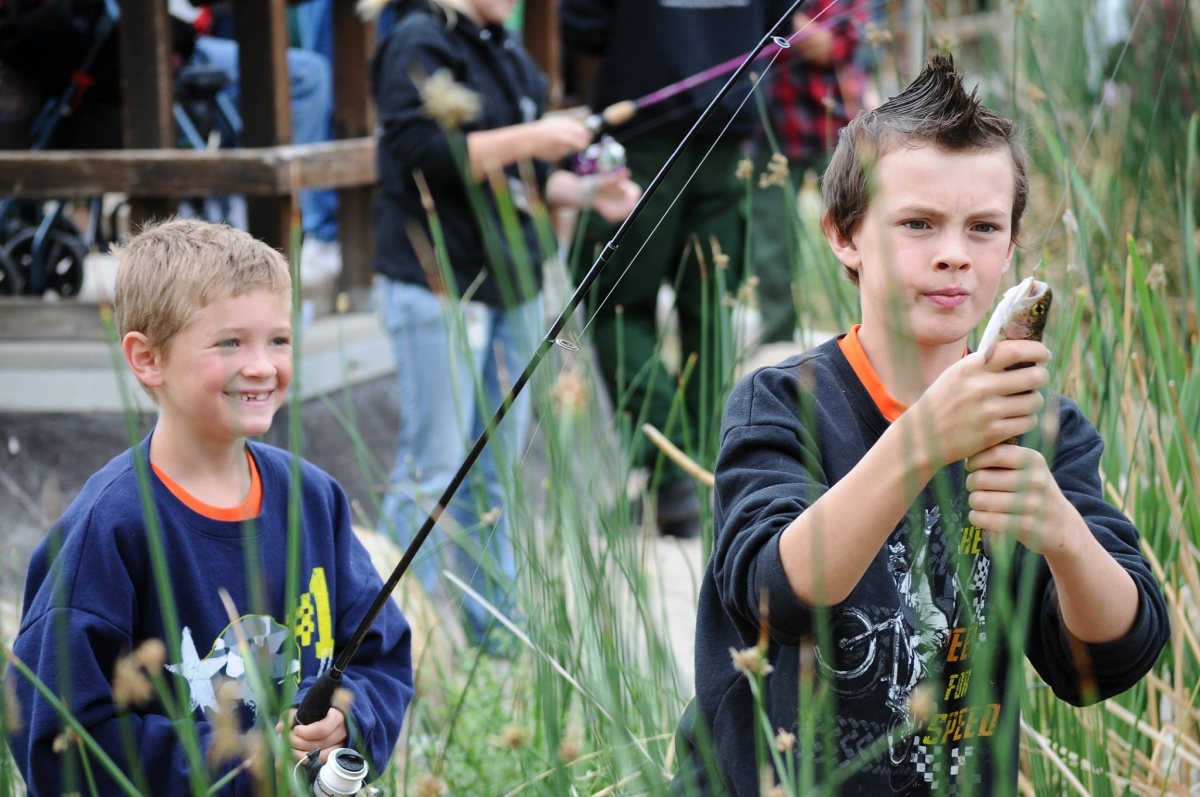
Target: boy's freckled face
[(934, 244), (228, 370)]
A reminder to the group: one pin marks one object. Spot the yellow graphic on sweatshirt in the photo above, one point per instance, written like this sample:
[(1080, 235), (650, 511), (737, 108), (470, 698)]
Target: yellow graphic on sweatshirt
[(313, 617)]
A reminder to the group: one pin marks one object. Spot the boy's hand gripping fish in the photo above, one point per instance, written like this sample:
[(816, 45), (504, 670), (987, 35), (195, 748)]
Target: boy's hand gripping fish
[(1021, 315)]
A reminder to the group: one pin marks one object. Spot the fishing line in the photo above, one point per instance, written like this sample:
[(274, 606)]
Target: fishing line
[(782, 44), (317, 702)]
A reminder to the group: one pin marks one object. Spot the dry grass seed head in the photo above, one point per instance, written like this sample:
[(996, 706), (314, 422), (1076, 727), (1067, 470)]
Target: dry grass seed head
[(570, 394), (130, 684), (921, 704), (569, 749), (254, 748), (447, 102), (67, 737), (750, 661), (430, 786), (152, 655), (514, 736), (227, 728), (343, 700), (12, 708)]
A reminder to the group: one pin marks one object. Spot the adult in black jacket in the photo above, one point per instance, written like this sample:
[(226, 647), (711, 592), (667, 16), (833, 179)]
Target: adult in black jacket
[(461, 298)]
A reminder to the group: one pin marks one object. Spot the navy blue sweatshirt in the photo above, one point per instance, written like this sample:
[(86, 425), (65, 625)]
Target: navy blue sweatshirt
[(488, 264), (933, 607), (91, 596)]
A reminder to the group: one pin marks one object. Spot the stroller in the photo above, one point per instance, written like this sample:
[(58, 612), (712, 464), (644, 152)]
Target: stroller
[(66, 52)]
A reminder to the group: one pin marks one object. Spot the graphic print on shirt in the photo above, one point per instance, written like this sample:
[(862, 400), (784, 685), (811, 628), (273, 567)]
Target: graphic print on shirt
[(885, 646), (266, 640), (952, 737)]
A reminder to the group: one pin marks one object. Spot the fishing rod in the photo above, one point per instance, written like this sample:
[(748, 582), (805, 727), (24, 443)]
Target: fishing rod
[(622, 112), (319, 699)]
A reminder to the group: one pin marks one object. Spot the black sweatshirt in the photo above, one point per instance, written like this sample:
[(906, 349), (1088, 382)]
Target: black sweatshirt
[(490, 62), (928, 609)]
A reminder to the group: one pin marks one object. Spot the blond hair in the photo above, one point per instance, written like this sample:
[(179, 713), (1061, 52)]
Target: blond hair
[(171, 270)]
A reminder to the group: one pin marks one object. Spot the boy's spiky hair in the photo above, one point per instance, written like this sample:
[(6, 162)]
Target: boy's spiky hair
[(934, 109)]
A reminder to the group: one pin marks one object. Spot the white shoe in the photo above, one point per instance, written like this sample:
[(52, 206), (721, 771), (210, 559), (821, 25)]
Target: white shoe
[(320, 261)]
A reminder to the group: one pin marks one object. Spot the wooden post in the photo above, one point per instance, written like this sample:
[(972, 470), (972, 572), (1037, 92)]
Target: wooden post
[(266, 104), (541, 40), (353, 117), (146, 88)]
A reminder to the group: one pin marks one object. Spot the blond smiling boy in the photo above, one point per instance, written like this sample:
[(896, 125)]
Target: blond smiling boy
[(204, 314)]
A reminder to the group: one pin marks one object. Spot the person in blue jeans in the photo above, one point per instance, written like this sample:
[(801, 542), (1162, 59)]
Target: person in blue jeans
[(311, 79), (465, 317), (314, 24)]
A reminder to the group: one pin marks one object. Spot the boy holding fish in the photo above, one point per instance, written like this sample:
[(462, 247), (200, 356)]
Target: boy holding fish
[(866, 490)]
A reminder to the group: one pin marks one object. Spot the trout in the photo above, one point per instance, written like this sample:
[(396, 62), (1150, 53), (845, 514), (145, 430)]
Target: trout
[(1021, 315)]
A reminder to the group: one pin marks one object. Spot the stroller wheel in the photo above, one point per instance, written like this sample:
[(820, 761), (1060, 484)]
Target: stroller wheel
[(62, 264), (10, 281)]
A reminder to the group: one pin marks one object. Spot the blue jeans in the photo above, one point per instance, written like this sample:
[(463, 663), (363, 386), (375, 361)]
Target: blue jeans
[(454, 364), (312, 111), (314, 23)]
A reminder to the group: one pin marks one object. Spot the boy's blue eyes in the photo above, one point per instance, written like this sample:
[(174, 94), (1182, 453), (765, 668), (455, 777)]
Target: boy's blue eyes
[(921, 224), (233, 342)]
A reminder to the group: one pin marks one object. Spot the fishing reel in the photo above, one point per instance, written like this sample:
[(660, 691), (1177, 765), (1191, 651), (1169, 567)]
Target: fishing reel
[(341, 775), (602, 157)]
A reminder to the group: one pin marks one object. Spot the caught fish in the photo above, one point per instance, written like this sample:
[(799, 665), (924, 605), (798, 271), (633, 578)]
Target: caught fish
[(1021, 315)]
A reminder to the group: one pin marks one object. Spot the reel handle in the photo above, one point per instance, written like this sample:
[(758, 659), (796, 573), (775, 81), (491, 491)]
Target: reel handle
[(319, 700)]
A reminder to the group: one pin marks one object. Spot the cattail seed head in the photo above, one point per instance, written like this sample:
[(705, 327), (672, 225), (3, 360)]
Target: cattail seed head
[(448, 102), (514, 736), (430, 786), (750, 661)]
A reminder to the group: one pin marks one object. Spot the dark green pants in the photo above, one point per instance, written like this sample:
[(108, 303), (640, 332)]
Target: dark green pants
[(712, 206), (776, 249)]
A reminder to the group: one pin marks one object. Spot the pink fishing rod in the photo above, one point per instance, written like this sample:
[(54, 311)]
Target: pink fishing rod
[(621, 112)]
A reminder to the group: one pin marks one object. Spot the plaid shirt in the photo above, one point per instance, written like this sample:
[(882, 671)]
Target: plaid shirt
[(809, 104)]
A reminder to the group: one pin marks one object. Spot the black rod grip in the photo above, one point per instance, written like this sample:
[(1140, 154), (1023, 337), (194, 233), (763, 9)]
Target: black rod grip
[(319, 700)]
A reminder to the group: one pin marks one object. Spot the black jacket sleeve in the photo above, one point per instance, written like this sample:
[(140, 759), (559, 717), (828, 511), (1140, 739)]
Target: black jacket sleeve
[(1082, 673), (416, 49), (768, 472)]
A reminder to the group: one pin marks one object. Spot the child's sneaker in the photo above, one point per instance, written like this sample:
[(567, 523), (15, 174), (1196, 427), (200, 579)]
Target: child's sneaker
[(320, 262)]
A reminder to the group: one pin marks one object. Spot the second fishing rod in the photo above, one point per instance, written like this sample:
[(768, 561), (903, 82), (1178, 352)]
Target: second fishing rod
[(318, 700)]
